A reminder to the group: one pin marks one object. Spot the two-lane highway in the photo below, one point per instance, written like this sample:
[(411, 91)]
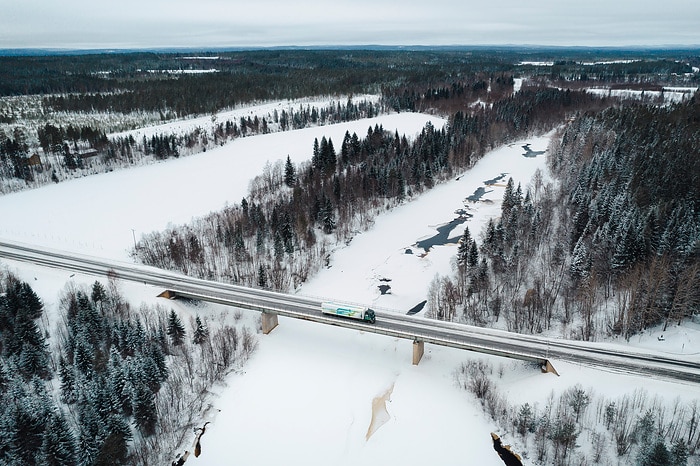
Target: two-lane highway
[(525, 347)]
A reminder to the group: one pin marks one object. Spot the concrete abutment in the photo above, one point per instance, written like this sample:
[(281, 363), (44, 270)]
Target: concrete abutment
[(418, 350), (269, 322)]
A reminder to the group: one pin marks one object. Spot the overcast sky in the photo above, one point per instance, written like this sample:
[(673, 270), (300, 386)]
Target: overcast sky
[(234, 23)]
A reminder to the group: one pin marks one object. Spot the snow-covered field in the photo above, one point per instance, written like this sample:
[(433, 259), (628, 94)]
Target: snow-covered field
[(306, 396), (96, 214), (262, 110), (669, 95)]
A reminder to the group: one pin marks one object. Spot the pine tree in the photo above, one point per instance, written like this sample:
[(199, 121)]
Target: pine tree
[(59, 445), (176, 330), (580, 260), (508, 199), (30, 418), (144, 408), (262, 277), (525, 422), (83, 357), (153, 364), (98, 293), (645, 432), (463, 249), (9, 437), (200, 333), (473, 259), (679, 453), (289, 172), (67, 377), (117, 373), (327, 215), (114, 449), (31, 303), (578, 399), (658, 456), (89, 432), (316, 156)]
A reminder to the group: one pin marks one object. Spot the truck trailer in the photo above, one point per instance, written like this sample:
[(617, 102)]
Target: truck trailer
[(348, 310)]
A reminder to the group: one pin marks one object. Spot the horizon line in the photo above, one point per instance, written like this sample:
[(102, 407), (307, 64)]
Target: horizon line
[(38, 50)]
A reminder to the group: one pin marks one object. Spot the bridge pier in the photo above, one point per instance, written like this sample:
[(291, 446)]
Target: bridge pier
[(167, 294), (548, 367), (269, 321), (418, 350)]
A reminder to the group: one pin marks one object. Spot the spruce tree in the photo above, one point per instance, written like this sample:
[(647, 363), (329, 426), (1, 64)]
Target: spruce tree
[(679, 453), (98, 293), (262, 277), (59, 445), (463, 249), (200, 333), (144, 408), (176, 330), (508, 199), (289, 172), (658, 456), (473, 259)]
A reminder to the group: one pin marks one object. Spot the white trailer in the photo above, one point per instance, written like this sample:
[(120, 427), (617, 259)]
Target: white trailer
[(349, 310)]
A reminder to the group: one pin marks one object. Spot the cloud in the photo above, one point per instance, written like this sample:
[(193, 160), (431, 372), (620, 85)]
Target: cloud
[(163, 23)]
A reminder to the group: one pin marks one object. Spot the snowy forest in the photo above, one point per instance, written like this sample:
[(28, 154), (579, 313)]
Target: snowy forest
[(123, 378), (606, 247), (611, 248)]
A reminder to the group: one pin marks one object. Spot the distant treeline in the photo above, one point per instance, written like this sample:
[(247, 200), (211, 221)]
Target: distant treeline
[(183, 84)]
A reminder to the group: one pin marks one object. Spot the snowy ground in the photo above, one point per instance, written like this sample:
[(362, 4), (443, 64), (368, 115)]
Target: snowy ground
[(307, 394), (96, 214), (262, 110), (389, 251), (670, 95)]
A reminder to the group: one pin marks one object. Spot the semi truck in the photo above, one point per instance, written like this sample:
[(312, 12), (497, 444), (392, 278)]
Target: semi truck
[(348, 310)]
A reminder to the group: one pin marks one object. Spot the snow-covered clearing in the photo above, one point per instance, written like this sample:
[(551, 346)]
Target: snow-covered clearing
[(669, 95), (96, 214), (262, 110), (306, 396)]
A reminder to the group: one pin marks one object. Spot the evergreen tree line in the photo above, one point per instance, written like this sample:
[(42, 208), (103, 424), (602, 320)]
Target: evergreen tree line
[(612, 250), (52, 138), (455, 94), (632, 203), (278, 235), (130, 385), (580, 427)]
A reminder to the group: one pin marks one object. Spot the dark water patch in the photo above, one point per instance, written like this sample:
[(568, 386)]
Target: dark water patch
[(509, 457), (384, 289), (408, 251), (495, 180), (417, 308), (531, 153), (443, 233), (476, 197)]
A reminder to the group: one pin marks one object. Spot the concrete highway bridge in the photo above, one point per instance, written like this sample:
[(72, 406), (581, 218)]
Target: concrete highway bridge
[(537, 350)]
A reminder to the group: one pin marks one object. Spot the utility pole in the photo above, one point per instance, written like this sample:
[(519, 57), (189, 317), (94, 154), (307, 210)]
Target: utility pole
[(133, 233)]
